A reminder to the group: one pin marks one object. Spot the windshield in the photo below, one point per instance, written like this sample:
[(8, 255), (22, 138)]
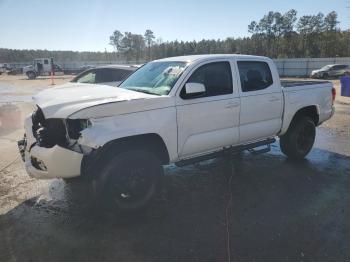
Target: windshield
[(156, 78), (326, 67)]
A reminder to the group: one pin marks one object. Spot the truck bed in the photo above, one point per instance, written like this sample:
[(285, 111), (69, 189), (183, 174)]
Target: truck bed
[(295, 83)]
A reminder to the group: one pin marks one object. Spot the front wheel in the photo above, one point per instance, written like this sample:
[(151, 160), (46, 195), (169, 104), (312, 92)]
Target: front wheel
[(130, 180), (31, 75), (299, 139)]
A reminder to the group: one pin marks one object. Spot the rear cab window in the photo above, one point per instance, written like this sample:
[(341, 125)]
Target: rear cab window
[(254, 75)]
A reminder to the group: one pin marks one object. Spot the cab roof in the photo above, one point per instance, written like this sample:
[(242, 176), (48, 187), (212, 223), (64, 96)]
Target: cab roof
[(197, 58), (126, 67)]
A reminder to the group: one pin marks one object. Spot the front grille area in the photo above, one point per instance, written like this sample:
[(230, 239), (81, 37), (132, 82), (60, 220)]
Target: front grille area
[(48, 132)]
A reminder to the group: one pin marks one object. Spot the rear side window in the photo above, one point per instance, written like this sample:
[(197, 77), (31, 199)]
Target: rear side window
[(254, 75), (339, 67), (216, 77), (120, 74), (106, 75)]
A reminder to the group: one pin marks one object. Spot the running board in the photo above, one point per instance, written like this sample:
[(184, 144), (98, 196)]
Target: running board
[(254, 151), (233, 149)]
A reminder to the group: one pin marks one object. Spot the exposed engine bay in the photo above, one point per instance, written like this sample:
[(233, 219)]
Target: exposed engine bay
[(54, 131)]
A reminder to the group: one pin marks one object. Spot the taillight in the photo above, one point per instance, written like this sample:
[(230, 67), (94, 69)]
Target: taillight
[(334, 93)]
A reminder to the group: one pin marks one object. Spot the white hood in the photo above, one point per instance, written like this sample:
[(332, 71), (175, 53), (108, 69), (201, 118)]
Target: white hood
[(62, 101)]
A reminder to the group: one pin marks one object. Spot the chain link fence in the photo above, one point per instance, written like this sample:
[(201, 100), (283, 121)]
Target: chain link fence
[(301, 67), (297, 67)]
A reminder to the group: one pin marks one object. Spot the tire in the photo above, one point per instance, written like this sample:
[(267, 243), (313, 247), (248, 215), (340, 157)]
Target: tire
[(299, 139), (129, 180), (31, 75)]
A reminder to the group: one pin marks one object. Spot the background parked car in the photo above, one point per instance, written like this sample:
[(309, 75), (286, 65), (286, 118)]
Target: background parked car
[(15, 71), (108, 75), (4, 68), (331, 71)]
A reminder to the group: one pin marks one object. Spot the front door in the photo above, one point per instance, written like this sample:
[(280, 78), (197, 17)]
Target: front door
[(209, 121)]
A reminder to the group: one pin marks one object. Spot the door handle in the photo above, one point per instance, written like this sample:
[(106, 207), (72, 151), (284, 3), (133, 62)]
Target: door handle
[(233, 104)]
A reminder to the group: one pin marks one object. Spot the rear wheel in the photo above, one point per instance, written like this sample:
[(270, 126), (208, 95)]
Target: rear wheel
[(299, 139), (130, 180)]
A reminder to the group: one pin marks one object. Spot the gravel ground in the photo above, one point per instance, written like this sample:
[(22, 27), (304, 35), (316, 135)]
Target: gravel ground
[(280, 211)]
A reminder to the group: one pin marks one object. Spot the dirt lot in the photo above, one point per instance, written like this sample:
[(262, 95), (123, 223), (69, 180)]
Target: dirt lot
[(280, 211)]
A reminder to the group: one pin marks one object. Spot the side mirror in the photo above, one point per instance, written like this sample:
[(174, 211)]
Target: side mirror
[(194, 88)]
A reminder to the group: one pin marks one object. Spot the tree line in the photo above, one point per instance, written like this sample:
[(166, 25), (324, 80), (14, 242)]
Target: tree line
[(16, 55), (275, 35)]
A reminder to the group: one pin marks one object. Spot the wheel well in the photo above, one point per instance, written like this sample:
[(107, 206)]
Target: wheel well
[(151, 142), (310, 111)]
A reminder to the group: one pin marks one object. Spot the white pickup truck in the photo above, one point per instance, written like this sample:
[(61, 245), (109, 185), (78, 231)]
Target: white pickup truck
[(175, 110)]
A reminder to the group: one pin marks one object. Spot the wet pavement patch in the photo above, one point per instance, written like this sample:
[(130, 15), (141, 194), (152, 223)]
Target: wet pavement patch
[(10, 117)]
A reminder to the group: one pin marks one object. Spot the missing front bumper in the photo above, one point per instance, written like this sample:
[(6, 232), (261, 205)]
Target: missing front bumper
[(47, 162), (22, 145)]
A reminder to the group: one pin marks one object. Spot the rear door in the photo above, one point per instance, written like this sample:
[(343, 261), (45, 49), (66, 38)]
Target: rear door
[(338, 70), (261, 100), (209, 121)]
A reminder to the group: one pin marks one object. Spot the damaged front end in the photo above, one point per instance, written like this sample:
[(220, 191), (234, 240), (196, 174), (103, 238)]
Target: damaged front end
[(48, 132), (50, 147), (61, 132)]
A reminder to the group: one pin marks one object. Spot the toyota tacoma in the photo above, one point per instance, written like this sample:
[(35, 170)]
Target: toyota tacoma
[(174, 110)]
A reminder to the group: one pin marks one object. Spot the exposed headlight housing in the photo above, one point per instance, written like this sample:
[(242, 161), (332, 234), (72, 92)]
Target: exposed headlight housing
[(75, 126)]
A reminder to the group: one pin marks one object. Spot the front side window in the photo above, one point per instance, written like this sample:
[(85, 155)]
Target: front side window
[(87, 78), (254, 75), (335, 68), (156, 78), (216, 77)]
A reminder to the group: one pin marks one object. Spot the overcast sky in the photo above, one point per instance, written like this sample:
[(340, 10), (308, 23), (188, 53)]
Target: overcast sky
[(86, 25)]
